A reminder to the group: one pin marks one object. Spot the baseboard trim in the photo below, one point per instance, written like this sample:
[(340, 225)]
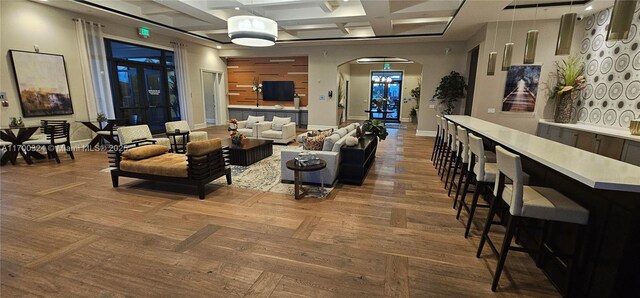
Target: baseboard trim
[(358, 118), (425, 133), (320, 127), (405, 119), (211, 121), (200, 126)]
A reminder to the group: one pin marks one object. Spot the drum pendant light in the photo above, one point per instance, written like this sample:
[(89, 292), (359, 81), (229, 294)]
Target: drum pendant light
[(565, 33), (252, 31), (493, 55), (508, 47), (531, 42), (621, 19)]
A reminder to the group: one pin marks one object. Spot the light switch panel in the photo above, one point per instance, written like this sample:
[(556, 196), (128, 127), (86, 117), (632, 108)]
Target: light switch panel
[(491, 111), (432, 106)]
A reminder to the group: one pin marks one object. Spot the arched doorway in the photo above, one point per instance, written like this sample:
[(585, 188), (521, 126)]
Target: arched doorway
[(364, 82)]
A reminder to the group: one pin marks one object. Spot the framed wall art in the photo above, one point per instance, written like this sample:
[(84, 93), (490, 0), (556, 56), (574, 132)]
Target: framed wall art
[(42, 83), (521, 88)]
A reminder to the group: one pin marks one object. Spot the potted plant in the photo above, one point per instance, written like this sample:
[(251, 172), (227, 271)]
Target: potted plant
[(340, 112), (257, 88), (102, 118), (376, 128), (451, 88), (568, 81)]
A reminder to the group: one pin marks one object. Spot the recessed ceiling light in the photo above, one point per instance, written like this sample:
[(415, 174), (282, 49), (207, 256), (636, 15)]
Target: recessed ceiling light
[(345, 0), (589, 7), (237, 8), (218, 47)]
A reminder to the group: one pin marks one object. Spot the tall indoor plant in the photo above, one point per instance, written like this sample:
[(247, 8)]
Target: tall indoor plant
[(451, 88), (569, 80)]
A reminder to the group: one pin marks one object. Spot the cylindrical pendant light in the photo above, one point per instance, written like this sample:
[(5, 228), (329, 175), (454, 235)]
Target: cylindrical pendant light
[(507, 55), (531, 42), (508, 47), (530, 47), (493, 55), (491, 67), (565, 34), (621, 19)]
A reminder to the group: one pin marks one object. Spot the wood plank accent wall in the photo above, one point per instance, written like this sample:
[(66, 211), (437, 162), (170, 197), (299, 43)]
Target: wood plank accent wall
[(243, 71)]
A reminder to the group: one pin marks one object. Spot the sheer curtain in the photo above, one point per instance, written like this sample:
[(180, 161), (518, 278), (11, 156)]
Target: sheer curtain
[(93, 60), (182, 79)]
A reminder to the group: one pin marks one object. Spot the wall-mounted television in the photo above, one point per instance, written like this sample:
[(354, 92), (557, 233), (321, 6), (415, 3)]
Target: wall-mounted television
[(277, 90)]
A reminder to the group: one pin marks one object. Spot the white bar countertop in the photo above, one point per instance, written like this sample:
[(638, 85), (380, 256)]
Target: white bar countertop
[(265, 108), (591, 169), (612, 132)]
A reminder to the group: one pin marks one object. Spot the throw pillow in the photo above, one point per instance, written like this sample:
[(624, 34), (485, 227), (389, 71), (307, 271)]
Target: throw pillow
[(316, 142), (278, 122), (329, 142), (197, 148), (342, 132), (143, 152), (252, 120)]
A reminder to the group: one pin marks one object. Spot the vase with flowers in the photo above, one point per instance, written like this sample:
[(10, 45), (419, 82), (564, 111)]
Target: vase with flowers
[(237, 137), (257, 88), (567, 81)]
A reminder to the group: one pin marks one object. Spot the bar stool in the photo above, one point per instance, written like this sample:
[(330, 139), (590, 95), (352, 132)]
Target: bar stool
[(436, 144), (453, 148), (483, 172), (444, 144), (462, 161), (527, 202), (447, 149)]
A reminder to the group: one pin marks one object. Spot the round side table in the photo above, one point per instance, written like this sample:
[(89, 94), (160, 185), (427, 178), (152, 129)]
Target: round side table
[(297, 171)]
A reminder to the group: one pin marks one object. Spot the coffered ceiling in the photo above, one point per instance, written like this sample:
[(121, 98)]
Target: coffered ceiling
[(309, 22), (298, 20)]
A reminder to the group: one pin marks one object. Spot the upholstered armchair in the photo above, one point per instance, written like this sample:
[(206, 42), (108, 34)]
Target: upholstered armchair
[(249, 128), (183, 126), (135, 133), (280, 130)]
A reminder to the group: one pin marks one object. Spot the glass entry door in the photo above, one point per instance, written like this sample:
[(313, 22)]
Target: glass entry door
[(141, 97), (386, 91), (144, 85)]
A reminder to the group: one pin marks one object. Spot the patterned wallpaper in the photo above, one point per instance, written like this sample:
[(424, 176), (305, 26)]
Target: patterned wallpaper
[(612, 93)]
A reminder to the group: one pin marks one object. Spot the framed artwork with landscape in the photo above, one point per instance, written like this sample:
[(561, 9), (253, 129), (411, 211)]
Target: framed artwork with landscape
[(521, 88), (42, 83)]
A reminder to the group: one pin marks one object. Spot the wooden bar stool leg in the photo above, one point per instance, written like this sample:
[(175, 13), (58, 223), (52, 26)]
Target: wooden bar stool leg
[(443, 165), (435, 144), (479, 187), (453, 176), (506, 244), (487, 227), (463, 172)]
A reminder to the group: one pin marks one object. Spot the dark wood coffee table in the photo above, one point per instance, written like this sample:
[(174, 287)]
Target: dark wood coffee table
[(249, 152)]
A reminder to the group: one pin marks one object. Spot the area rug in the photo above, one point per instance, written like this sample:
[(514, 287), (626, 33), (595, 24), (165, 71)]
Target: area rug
[(264, 176)]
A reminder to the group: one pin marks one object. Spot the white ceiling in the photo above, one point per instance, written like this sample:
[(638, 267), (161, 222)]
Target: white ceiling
[(321, 22)]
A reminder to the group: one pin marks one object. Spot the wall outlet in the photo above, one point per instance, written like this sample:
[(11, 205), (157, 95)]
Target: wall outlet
[(491, 111)]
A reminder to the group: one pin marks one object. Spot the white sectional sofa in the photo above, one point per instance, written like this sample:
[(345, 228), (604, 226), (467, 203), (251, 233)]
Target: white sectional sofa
[(329, 153)]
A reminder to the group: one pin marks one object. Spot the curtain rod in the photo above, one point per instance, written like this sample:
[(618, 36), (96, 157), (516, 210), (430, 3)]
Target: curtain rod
[(97, 24)]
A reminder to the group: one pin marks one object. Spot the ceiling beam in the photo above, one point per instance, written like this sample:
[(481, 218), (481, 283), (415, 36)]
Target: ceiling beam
[(379, 14), (327, 7), (194, 9), (342, 28)]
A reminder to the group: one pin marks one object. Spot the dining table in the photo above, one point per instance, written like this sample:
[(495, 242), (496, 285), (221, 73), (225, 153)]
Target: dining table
[(23, 133), (103, 133)]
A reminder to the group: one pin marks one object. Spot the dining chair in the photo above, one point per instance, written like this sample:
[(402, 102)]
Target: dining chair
[(56, 133)]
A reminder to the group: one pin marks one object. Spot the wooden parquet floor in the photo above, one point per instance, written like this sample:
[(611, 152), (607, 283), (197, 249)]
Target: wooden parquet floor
[(65, 232)]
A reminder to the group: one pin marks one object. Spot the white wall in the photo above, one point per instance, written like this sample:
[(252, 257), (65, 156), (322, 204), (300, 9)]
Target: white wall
[(489, 89), (324, 62), (361, 87), (25, 24)]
